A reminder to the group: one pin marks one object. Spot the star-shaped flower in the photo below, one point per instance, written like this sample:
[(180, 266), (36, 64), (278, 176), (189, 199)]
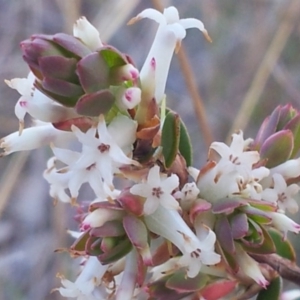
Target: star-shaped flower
[(157, 190), (101, 156), (170, 32), (281, 194)]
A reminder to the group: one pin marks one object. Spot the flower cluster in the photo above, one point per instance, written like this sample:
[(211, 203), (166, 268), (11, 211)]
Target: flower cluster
[(150, 232)]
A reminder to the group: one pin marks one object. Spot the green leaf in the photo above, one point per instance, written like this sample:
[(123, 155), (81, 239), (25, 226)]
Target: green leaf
[(93, 105), (229, 259), (185, 145), (112, 56), (294, 126), (137, 233), (267, 128), (277, 148), (257, 215), (79, 244), (170, 138), (110, 228), (93, 73), (283, 247), (59, 67), (224, 234), (218, 289), (72, 91), (272, 292), (112, 113), (183, 284), (239, 225), (264, 246), (116, 253), (92, 246), (72, 44), (287, 113), (158, 291)]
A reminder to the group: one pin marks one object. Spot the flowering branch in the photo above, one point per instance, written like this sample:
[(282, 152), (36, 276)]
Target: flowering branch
[(157, 227)]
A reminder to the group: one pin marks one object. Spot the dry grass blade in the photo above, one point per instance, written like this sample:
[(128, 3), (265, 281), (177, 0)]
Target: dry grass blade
[(117, 10), (70, 9), (10, 177), (259, 81)]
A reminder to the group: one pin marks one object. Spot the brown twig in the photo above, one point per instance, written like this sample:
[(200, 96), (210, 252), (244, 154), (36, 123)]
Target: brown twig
[(193, 89), (284, 267)]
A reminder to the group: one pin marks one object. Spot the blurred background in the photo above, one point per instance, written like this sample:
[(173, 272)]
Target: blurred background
[(252, 66)]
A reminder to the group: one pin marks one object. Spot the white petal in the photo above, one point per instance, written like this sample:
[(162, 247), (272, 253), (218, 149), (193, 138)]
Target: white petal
[(85, 31)]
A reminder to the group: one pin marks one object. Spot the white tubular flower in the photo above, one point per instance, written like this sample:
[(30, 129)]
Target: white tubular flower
[(127, 285), (157, 190), (187, 195), (235, 152), (250, 267), (84, 286), (34, 137), (100, 216), (170, 225), (283, 223), (126, 72), (128, 98), (87, 33), (218, 182), (170, 32), (58, 181), (281, 194), (288, 169), (100, 158), (35, 103), (104, 153)]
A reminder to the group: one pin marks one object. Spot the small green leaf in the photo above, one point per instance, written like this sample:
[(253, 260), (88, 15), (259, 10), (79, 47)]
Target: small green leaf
[(116, 253), (287, 113), (257, 215), (239, 225), (218, 289), (66, 100), (110, 228), (112, 113), (183, 284), (158, 291), (228, 205), (224, 234), (137, 233), (267, 128), (79, 244), (59, 67), (229, 259), (112, 56), (277, 148), (93, 73), (265, 244), (283, 247), (272, 292), (170, 138), (185, 145), (72, 44), (92, 247), (62, 88), (294, 126), (93, 105)]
